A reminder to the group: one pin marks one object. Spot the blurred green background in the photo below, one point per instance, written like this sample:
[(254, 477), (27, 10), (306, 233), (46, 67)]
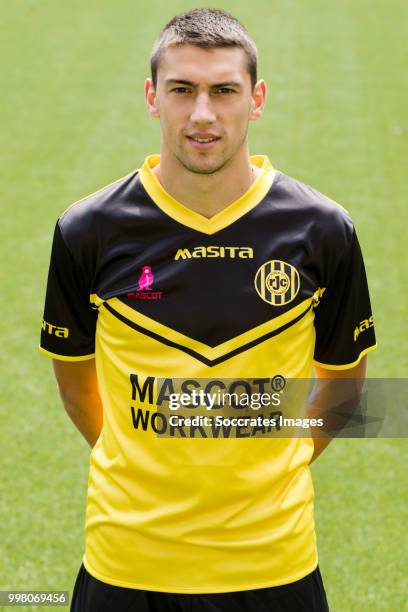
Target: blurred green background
[(74, 120)]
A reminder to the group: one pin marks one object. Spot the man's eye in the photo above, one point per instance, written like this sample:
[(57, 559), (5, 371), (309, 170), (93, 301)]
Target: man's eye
[(180, 90), (225, 90)]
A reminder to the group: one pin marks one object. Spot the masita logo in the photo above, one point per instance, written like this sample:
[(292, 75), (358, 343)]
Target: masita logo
[(362, 326), (277, 282), (55, 330), (145, 287), (215, 251)]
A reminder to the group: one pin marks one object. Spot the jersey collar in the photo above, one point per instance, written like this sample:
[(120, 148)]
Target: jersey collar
[(181, 213)]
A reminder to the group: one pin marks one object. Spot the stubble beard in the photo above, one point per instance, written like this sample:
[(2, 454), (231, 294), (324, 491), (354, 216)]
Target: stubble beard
[(216, 166), (200, 169)]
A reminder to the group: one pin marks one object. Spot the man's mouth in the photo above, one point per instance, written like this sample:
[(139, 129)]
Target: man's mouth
[(203, 140)]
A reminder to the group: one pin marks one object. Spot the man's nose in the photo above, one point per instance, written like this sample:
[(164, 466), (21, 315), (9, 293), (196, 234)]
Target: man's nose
[(203, 111)]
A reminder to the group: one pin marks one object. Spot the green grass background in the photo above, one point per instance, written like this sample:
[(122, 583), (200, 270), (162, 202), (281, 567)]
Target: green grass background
[(74, 120)]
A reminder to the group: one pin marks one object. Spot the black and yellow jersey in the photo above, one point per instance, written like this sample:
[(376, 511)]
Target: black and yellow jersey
[(154, 290)]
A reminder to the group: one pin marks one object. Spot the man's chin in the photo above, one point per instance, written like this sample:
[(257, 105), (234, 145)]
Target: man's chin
[(205, 167)]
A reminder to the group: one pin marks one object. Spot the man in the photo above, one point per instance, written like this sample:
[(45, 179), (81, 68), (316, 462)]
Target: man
[(204, 265)]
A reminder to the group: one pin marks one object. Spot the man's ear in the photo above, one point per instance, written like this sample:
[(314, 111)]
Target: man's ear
[(151, 98), (258, 100)]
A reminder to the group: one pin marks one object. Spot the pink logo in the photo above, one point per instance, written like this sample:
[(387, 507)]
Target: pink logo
[(144, 290), (146, 279)]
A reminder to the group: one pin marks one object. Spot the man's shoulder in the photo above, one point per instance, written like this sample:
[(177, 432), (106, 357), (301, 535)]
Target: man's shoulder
[(322, 214), (308, 198), (94, 213)]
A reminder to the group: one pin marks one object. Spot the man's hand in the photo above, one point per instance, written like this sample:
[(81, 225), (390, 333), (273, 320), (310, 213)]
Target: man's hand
[(326, 395), (78, 388)]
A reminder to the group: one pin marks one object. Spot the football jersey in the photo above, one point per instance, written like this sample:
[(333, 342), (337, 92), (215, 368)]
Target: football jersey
[(157, 292)]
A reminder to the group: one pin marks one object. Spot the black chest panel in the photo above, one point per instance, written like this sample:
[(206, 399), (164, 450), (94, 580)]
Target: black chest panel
[(204, 286)]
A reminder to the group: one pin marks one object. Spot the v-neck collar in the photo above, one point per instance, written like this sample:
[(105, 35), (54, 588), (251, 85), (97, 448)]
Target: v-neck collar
[(181, 213)]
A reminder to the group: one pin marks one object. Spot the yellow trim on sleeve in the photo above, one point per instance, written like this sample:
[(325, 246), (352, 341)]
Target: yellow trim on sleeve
[(65, 357), (346, 366), (185, 215)]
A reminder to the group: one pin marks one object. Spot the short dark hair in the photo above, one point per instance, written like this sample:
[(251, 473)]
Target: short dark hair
[(207, 29)]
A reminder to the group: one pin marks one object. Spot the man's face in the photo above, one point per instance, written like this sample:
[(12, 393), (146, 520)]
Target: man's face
[(204, 100)]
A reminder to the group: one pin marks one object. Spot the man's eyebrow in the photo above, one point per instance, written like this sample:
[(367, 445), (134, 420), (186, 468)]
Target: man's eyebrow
[(195, 85)]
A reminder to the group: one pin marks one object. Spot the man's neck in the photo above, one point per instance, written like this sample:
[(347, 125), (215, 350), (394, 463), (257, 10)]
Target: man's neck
[(207, 194)]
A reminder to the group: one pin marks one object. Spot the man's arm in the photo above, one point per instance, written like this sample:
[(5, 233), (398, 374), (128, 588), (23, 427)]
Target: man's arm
[(79, 392), (326, 395)]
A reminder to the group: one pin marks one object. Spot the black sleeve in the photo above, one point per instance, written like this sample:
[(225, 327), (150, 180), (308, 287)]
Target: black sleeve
[(68, 329), (343, 319)]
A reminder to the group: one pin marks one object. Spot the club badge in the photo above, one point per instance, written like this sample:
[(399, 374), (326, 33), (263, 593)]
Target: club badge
[(277, 282)]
